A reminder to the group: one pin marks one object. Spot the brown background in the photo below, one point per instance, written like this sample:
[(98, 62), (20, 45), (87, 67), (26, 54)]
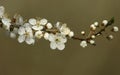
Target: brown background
[(21, 59)]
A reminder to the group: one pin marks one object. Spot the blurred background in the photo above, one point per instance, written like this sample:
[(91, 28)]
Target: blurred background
[(22, 59)]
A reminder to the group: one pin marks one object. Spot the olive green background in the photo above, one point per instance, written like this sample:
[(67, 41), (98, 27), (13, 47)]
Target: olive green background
[(22, 59)]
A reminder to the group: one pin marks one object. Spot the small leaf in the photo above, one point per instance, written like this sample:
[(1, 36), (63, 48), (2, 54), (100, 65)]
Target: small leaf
[(110, 22)]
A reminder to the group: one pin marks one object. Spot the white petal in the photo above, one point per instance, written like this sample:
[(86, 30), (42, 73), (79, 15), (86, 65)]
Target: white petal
[(27, 25), (15, 30), (2, 10), (46, 36), (63, 40), (30, 34), (49, 25), (19, 19), (7, 27), (6, 21), (37, 27), (58, 25), (43, 21), (51, 37), (60, 46), (32, 21), (53, 45), (30, 40), (12, 35), (28, 29), (40, 27), (21, 31), (21, 38)]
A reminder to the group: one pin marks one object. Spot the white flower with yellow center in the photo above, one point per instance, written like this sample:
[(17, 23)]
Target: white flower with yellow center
[(83, 44), (6, 23), (26, 34), (37, 24), (2, 11), (57, 41), (38, 34)]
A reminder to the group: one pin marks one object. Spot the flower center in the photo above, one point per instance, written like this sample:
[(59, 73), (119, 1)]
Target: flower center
[(57, 40), (38, 23), (27, 33)]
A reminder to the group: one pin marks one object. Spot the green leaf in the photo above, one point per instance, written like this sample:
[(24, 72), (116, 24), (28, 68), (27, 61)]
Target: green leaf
[(111, 21)]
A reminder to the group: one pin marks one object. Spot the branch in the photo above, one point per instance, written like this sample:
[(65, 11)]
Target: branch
[(35, 28)]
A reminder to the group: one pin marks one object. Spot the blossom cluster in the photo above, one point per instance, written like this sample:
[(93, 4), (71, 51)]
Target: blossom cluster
[(57, 34)]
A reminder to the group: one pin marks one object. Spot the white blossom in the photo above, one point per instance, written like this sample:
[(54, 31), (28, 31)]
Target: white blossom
[(115, 29), (38, 34), (6, 23), (83, 44), (2, 11), (26, 34), (36, 24), (105, 22), (57, 41)]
